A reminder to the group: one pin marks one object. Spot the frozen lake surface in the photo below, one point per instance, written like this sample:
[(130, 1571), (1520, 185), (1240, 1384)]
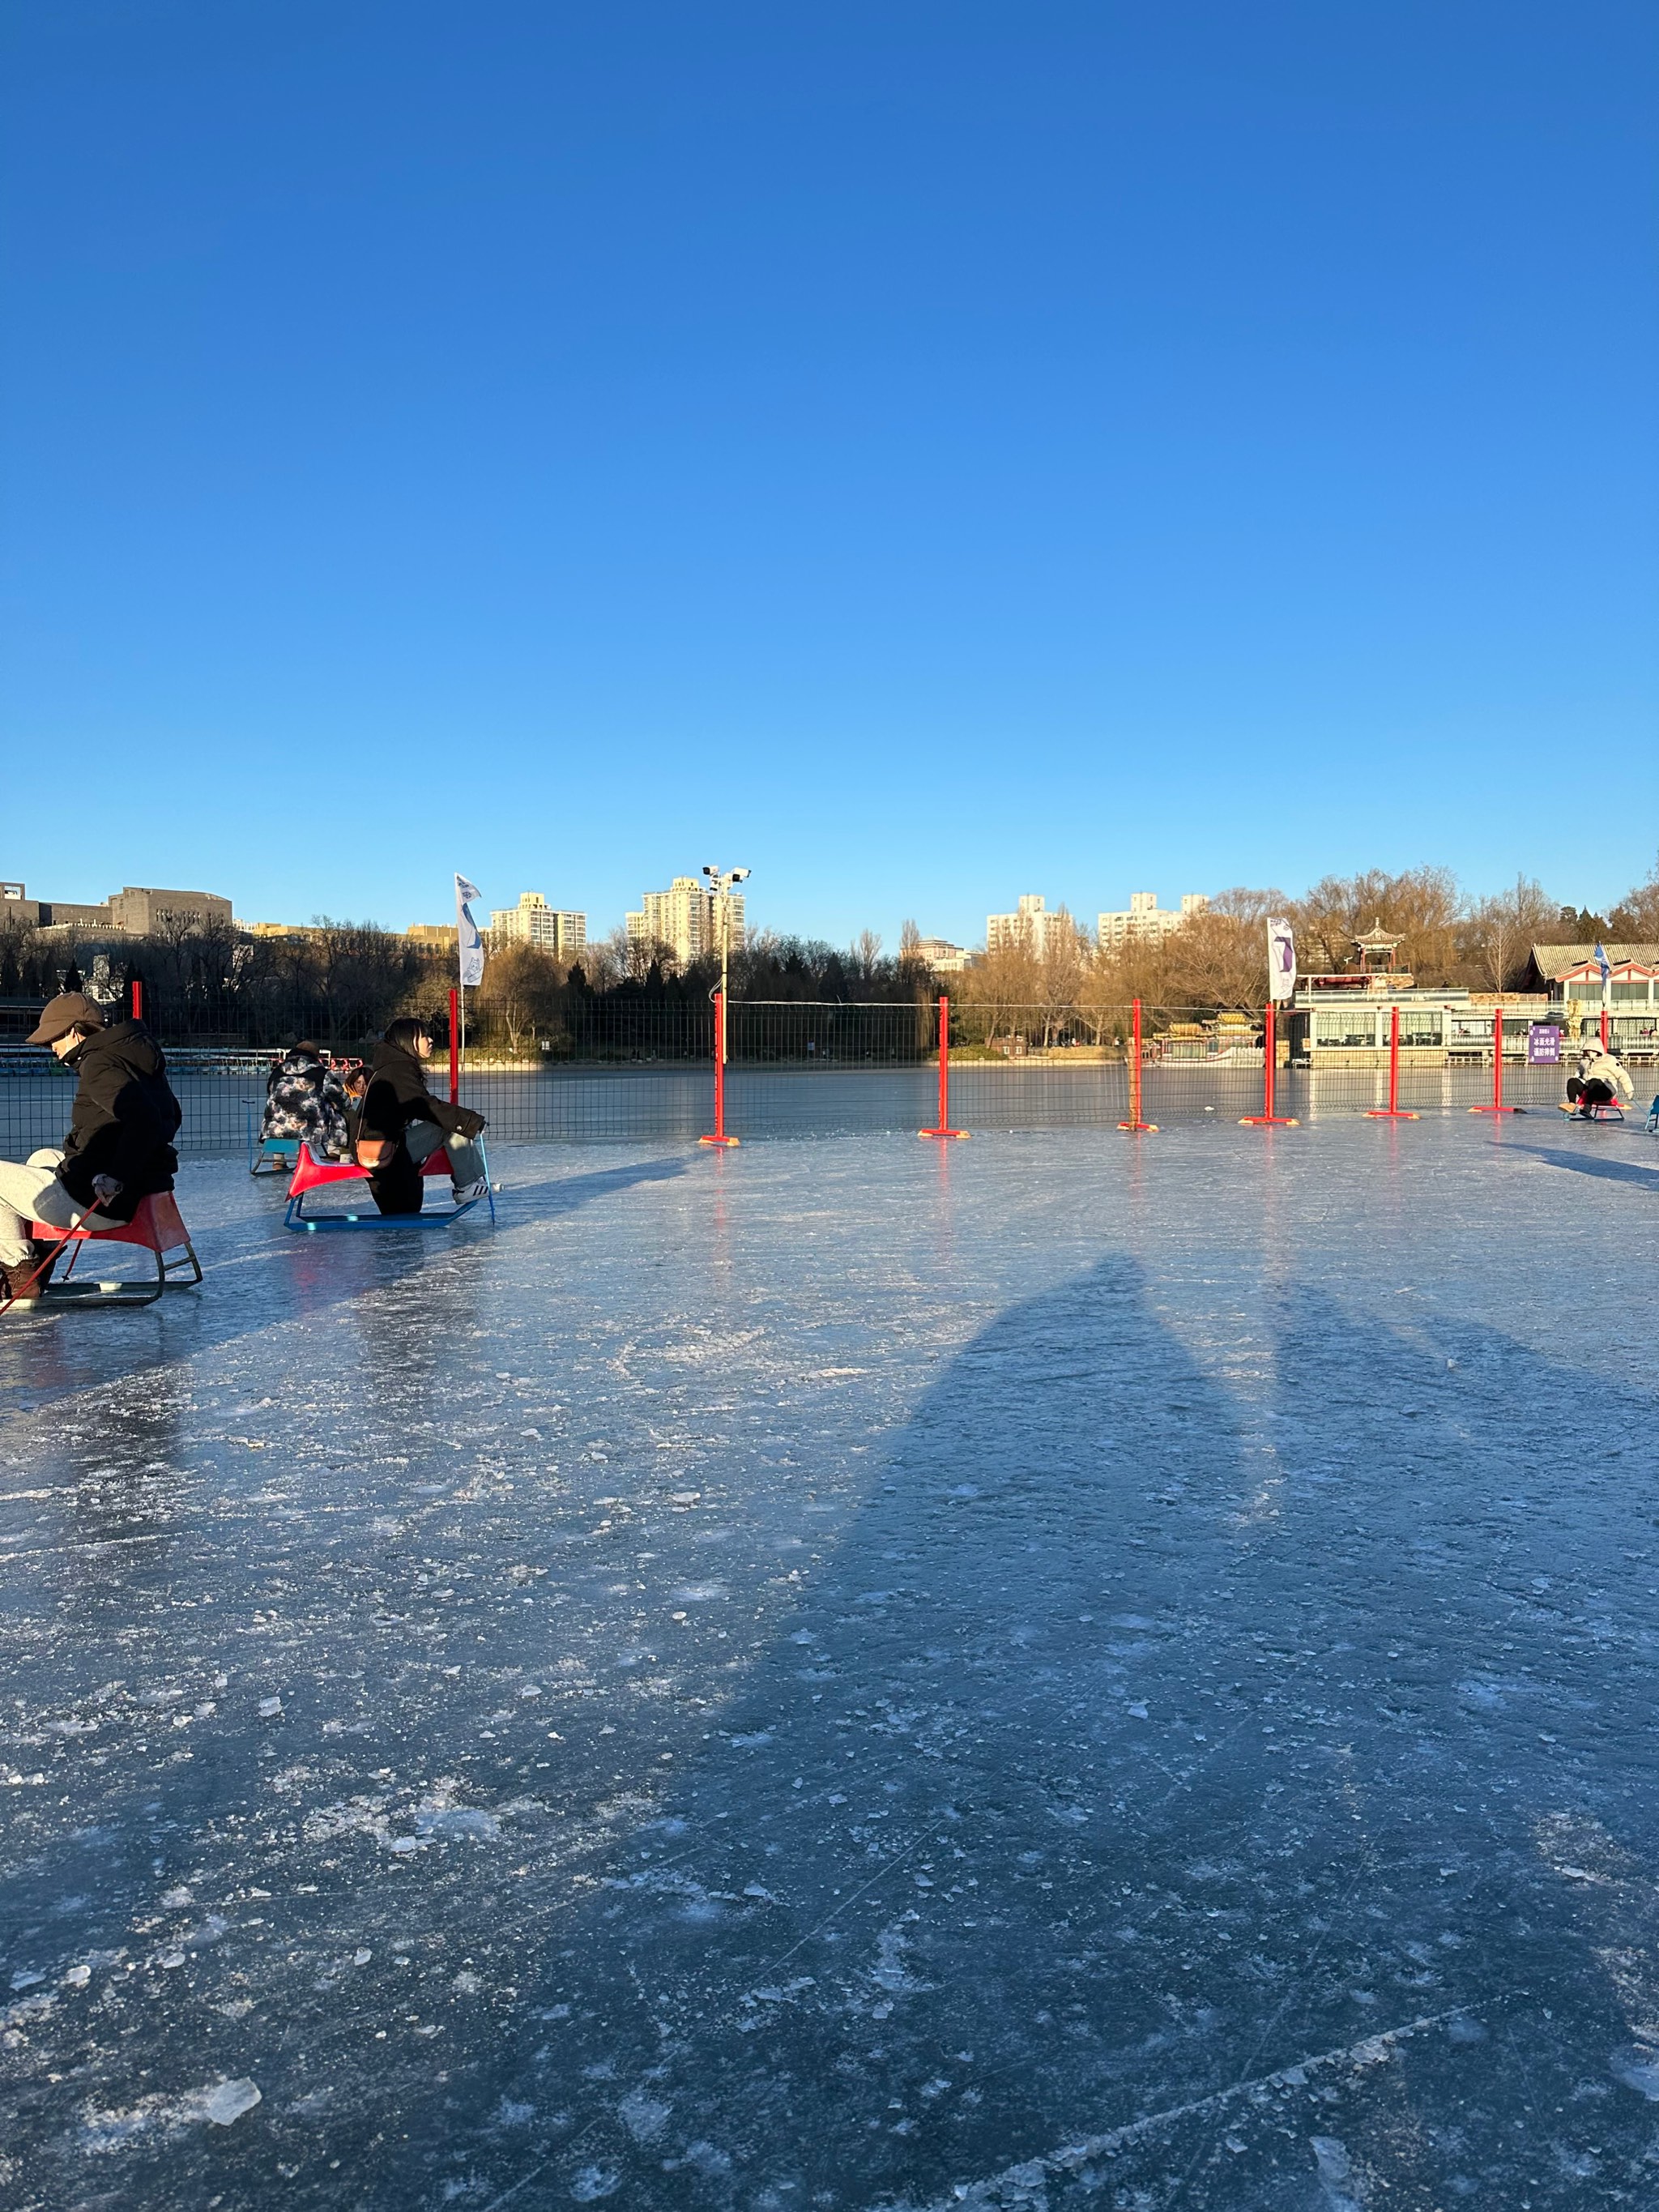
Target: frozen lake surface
[(1054, 1672)]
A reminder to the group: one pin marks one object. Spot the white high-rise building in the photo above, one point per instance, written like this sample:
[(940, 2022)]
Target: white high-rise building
[(1145, 921), (533, 922), (686, 918), (1031, 924)]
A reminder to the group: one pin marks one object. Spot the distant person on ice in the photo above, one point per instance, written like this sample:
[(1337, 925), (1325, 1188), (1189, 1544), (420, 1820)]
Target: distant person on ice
[(119, 1146), (402, 1125), (306, 1098), (1600, 1078)]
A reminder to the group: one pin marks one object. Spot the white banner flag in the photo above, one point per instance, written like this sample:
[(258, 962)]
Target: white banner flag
[(468, 943), (1281, 960)]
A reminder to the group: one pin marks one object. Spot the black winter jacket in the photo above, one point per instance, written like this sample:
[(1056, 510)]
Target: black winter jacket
[(397, 1095), (123, 1121)]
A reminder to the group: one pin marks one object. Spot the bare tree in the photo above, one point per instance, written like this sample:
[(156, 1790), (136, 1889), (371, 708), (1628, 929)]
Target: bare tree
[(909, 947), (1500, 932), (1100, 1000), (521, 989), (1061, 968), (645, 953), (362, 972), (1635, 917), (1217, 960), (1418, 905), (1000, 985)]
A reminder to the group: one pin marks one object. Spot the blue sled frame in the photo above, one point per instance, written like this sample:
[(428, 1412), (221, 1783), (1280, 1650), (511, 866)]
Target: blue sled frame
[(268, 1156)]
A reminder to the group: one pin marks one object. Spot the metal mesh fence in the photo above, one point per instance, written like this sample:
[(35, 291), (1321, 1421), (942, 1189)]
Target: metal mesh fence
[(640, 1071)]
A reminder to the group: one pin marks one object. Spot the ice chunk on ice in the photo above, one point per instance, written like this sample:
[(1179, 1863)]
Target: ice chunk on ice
[(1637, 2065), (445, 1821), (644, 2117), (1331, 2157), (591, 2182), (229, 2101)]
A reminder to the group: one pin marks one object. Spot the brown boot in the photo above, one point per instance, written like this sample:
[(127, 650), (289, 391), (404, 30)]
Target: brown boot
[(44, 1254), (18, 1286)]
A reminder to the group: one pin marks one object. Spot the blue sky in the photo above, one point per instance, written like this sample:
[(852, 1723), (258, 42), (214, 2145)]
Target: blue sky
[(924, 452)]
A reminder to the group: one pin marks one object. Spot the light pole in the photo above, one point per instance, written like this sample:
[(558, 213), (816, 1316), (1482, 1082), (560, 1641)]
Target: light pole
[(720, 884)]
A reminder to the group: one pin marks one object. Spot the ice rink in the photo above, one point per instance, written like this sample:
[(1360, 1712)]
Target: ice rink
[(1061, 1671)]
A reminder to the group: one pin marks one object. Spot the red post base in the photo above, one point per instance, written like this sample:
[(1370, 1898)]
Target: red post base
[(952, 1136), (725, 1144), (1391, 1114), (1268, 1121), (1498, 1110), (1139, 1128)]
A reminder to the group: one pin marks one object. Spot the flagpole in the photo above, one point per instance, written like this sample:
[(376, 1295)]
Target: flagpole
[(468, 952)]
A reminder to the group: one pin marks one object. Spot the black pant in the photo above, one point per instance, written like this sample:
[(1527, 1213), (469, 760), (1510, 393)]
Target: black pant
[(1595, 1093), (395, 1186)]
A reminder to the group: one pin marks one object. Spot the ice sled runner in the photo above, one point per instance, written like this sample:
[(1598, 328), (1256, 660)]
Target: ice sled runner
[(1611, 1112), (157, 1228), (313, 1173)]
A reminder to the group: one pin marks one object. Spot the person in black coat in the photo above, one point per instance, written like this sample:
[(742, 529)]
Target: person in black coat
[(118, 1149), (402, 1125)]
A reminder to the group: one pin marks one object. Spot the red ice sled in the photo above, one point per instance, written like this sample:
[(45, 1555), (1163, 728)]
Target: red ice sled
[(157, 1228), (313, 1173)]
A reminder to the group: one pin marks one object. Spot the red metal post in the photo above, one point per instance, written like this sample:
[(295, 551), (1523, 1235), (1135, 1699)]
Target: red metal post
[(1497, 1105), (719, 1136), (1134, 1124), (1394, 1060), (1392, 1112), (1270, 1065), (1267, 1119), (454, 1047), (944, 1130), (137, 999), (1604, 1028)]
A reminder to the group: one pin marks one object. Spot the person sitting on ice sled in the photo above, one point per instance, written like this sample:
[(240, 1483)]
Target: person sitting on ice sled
[(306, 1098), (1599, 1080), (120, 1146), (402, 1125)]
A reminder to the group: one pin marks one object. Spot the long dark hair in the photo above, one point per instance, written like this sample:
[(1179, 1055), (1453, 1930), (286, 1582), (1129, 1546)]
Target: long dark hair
[(406, 1030)]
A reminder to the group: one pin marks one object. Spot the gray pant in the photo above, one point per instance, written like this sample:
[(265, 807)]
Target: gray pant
[(31, 1192), (466, 1164)]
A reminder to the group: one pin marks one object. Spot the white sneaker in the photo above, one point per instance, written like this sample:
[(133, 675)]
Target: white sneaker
[(465, 1193)]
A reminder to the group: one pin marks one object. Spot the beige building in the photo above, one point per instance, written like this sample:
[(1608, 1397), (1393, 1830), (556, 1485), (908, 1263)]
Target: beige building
[(136, 911), (1143, 921), (685, 918), (942, 957), (533, 922), (1031, 925), (140, 913)]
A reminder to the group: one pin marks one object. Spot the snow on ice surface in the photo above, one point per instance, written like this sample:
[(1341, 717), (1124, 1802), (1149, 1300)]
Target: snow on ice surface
[(1050, 1673)]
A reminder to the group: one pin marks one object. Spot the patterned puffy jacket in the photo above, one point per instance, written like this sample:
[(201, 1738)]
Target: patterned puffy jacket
[(305, 1099)]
